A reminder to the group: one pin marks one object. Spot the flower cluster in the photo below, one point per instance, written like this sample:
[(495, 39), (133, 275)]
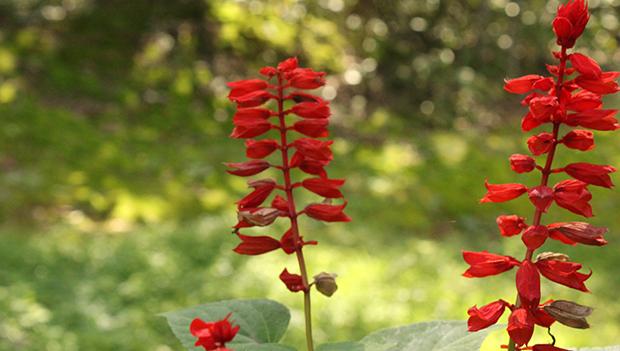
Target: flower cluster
[(570, 96), (300, 121), (213, 336)]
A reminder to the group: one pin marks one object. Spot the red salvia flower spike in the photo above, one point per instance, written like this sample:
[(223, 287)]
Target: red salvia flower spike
[(284, 84), (559, 101), (485, 316)]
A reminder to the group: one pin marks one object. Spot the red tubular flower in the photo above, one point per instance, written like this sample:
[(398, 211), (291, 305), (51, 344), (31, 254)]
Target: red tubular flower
[(578, 232), (565, 273), (591, 174), (295, 112), (502, 192), (535, 236), (258, 149), (570, 22), (574, 196), (256, 245), (528, 284), (325, 187), (521, 326), (484, 264), (559, 101), (246, 169), (523, 84), (213, 336), (541, 143), (485, 316), (510, 225), (541, 196), (522, 163), (579, 139), (327, 213), (262, 189), (293, 282)]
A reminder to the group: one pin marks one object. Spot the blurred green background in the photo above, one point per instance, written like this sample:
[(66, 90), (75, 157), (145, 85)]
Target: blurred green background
[(114, 204)]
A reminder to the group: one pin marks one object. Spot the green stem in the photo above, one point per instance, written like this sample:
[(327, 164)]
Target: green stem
[(293, 215)]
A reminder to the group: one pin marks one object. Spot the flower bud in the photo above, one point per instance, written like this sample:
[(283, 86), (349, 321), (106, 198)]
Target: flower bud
[(522, 163), (326, 283), (579, 139), (541, 143), (510, 225)]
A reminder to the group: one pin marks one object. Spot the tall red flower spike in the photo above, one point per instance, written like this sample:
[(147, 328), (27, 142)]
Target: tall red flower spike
[(300, 120), (570, 96)]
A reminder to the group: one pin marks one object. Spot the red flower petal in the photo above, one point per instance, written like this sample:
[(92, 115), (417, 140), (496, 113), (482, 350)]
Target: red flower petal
[(565, 273), (502, 192), (578, 232), (585, 65), (260, 148), (522, 163), (535, 236), (591, 174), (262, 190), (485, 316), (541, 143), (256, 245), (244, 87), (324, 187), (246, 169), (510, 225), (485, 264), (594, 119), (316, 128), (579, 139), (312, 110), (293, 282), (327, 213), (528, 284), (521, 85), (314, 149), (574, 196), (521, 326)]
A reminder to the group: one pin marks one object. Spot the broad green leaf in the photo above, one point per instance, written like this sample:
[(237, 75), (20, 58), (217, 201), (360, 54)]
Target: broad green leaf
[(428, 336), (342, 346), (607, 348), (261, 321)]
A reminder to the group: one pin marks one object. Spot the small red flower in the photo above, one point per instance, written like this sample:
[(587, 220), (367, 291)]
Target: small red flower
[(256, 245), (528, 284), (594, 119), (541, 143), (603, 85), (314, 149), (542, 107), (535, 236), (293, 282), (502, 192), (246, 169), (510, 225), (583, 101), (565, 273), (591, 174), (327, 213), (586, 66), (213, 336), (306, 78), (522, 163), (316, 128), (574, 196), (523, 84), (521, 326), (262, 189), (570, 22), (328, 188), (258, 149), (312, 110), (485, 264), (578, 232), (579, 139), (244, 87), (485, 316), (541, 196)]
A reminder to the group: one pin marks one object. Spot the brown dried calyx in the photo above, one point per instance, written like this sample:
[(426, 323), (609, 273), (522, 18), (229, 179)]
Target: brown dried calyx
[(569, 313), (556, 256), (260, 217), (326, 283)]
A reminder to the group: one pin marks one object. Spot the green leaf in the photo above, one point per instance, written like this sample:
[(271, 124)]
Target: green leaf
[(435, 336), (262, 323), (342, 346)]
